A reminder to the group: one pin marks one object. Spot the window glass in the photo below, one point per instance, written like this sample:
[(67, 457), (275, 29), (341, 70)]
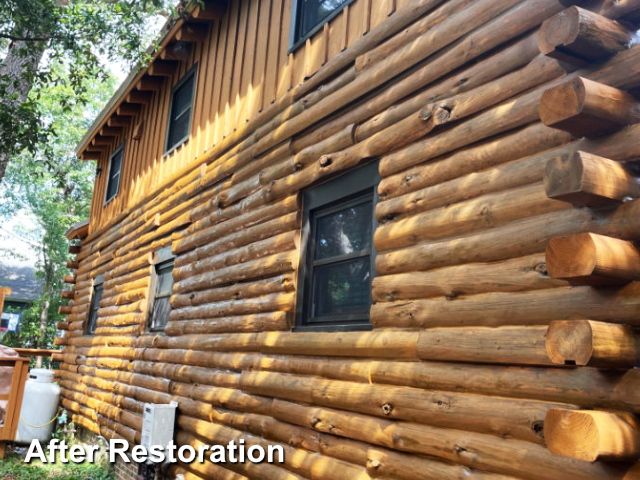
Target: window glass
[(180, 113), (115, 167), (342, 288), (313, 13), (162, 295), (93, 312), (344, 232)]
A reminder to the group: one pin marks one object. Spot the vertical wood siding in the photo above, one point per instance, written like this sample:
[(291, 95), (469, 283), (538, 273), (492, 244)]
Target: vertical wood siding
[(243, 66)]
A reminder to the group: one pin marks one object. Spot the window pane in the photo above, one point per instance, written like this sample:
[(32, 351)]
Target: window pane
[(342, 289), (114, 174), (179, 130), (315, 11), (165, 279), (344, 232), (93, 313), (161, 310)]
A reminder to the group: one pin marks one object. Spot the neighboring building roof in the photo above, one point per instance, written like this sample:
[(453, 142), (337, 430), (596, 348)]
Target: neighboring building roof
[(18, 268), (78, 230)]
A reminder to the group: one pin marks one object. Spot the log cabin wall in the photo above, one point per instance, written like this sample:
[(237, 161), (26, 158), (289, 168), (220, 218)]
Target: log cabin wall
[(456, 379)]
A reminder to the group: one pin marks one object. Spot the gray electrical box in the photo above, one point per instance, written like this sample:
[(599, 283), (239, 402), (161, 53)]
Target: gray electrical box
[(158, 423)]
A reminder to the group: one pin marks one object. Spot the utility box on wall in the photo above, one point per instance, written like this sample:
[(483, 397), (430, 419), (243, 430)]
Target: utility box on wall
[(158, 423)]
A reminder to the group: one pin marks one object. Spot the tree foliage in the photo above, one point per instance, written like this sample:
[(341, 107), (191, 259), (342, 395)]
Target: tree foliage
[(54, 188), (55, 42)]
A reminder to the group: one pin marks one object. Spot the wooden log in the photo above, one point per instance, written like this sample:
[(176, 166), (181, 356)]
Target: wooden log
[(586, 108), (591, 259), (510, 345), (64, 309), (537, 307), (578, 36), (73, 264), (592, 435), (240, 291), (591, 343), (483, 451), (130, 109), (70, 279), (476, 214), (267, 303), (586, 179), (209, 10), (68, 294), (74, 249), (513, 275), (587, 387), (501, 417)]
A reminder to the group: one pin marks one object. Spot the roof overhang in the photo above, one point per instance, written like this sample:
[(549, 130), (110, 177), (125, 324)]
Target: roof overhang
[(143, 81), (78, 231)]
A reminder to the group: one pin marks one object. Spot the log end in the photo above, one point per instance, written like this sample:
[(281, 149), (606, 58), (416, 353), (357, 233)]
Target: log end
[(572, 258), (569, 342), (572, 434)]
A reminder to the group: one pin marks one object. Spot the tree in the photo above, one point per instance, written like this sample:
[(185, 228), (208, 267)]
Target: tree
[(54, 188), (39, 35)]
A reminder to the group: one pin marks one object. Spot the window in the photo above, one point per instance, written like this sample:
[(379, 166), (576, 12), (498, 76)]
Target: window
[(309, 15), (92, 321), (179, 124), (161, 290), (115, 167), (338, 258)]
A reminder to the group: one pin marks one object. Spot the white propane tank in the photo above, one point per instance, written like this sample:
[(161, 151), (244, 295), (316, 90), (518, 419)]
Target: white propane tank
[(39, 406)]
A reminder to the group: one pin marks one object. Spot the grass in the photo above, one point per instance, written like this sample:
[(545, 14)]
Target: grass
[(13, 468)]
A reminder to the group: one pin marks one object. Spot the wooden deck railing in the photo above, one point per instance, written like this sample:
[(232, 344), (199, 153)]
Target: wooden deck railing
[(14, 397)]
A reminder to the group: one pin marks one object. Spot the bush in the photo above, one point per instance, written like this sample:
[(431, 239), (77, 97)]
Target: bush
[(13, 468)]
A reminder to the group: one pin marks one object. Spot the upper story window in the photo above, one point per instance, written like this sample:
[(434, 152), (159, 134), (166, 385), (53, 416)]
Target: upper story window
[(308, 16), (115, 169), (338, 260), (92, 321), (161, 290), (180, 112)]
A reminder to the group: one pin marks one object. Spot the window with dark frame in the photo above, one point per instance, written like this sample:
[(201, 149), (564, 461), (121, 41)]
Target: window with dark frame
[(92, 321), (180, 112), (338, 260), (115, 169), (162, 288), (308, 16)]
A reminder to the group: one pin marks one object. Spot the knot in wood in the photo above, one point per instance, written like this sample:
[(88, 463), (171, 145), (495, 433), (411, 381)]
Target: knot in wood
[(373, 464), (426, 113), (387, 408), (325, 161), (541, 268), (443, 113)]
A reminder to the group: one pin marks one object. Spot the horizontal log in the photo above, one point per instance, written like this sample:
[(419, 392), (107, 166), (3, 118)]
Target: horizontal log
[(591, 343), (68, 294), (586, 108), (64, 309), (585, 179), (267, 303), (501, 417), (538, 307), (70, 279), (509, 345), (587, 387), (484, 452), (513, 275), (592, 435), (591, 259), (258, 322), (578, 36), (238, 291), (484, 212)]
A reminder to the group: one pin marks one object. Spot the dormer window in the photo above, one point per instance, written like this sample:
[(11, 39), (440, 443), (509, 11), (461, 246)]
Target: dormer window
[(181, 110), (115, 169)]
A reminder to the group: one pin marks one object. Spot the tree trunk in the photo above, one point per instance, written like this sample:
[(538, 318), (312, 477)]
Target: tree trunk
[(20, 66)]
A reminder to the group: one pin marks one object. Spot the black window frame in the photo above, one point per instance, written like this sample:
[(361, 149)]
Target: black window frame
[(334, 195), (191, 75), (119, 151), (94, 306), (296, 36), (163, 258)]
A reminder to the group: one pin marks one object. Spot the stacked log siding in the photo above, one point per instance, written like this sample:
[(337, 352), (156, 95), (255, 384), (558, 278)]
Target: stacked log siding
[(455, 380)]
